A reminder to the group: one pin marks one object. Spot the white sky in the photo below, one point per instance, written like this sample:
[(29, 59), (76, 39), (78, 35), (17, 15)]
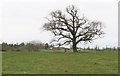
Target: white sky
[(21, 20)]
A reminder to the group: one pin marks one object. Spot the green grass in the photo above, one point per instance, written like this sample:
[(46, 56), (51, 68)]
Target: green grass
[(0, 62), (60, 63)]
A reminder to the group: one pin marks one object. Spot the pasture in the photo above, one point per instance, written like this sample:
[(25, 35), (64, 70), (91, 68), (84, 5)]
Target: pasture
[(102, 62)]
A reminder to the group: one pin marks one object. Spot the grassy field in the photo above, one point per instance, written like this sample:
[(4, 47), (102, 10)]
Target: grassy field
[(60, 63)]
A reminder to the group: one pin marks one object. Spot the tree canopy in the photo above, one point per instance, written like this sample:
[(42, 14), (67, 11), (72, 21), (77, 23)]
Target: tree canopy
[(69, 28)]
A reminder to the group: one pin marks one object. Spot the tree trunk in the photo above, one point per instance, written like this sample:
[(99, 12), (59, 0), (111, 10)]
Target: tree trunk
[(74, 46)]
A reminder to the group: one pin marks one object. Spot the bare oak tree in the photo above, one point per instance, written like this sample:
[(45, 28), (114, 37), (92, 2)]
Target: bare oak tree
[(69, 28)]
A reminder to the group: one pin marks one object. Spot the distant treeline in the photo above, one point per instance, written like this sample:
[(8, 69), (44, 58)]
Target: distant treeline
[(34, 46), (23, 46)]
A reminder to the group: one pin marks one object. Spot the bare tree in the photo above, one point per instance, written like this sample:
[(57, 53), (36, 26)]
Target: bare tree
[(69, 28)]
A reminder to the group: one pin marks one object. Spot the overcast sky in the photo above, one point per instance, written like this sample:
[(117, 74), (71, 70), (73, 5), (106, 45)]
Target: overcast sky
[(21, 20)]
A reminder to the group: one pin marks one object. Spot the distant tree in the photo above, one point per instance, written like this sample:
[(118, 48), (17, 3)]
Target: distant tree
[(31, 47), (69, 28), (88, 48), (97, 48), (46, 46), (4, 46), (34, 45), (37, 43), (22, 44), (114, 48)]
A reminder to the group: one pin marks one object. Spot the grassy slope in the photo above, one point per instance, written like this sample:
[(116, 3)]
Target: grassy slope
[(60, 63)]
